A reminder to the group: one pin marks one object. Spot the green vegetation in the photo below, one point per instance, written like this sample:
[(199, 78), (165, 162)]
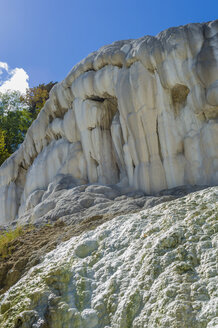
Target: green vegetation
[(6, 238), (14, 121), (36, 97), (17, 112), (4, 154)]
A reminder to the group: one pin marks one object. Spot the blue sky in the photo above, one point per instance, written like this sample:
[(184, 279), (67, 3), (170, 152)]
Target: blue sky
[(46, 38)]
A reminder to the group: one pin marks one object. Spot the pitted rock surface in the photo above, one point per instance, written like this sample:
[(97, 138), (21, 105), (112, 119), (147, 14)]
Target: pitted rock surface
[(155, 268)]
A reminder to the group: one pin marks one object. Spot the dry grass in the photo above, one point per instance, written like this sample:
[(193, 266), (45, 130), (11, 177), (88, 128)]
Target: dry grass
[(7, 238)]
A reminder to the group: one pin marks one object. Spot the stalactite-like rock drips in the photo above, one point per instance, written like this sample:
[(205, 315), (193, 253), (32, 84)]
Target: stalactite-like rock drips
[(138, 113)]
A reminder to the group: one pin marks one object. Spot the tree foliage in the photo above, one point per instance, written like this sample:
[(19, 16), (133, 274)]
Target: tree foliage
[(17, 112), (36, 97), (4, 154)]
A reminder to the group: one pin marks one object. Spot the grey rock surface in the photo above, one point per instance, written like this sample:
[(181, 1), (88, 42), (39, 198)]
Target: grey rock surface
[(63, 200), (156, 268)]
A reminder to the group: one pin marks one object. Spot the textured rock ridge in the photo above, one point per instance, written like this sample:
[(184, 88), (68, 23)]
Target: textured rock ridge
[(140, 114), (153, 269)]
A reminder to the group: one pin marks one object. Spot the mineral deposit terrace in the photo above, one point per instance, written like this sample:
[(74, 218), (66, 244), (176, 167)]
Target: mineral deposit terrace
[(139, 114)]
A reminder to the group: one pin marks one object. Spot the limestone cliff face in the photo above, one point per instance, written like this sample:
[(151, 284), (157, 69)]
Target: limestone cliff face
[(138, 113)]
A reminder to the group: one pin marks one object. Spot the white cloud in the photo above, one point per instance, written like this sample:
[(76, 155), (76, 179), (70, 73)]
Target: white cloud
[(13, 79), (3, 66)]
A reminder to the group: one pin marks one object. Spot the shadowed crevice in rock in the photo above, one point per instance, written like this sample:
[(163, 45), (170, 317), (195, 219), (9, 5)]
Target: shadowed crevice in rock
[(179, 95)]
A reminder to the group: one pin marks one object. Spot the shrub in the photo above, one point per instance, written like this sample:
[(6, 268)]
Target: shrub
[(7, 238)]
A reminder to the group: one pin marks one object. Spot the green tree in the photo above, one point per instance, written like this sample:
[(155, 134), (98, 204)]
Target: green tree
[(17, 112), (15, 119), (4, 154), (36, 97)]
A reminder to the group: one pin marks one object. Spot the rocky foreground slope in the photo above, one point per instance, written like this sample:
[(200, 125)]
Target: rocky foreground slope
[(138, 113), (154, 268)]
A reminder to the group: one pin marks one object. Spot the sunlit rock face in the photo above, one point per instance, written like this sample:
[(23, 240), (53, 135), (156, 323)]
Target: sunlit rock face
[(138, 113), (152, 269)]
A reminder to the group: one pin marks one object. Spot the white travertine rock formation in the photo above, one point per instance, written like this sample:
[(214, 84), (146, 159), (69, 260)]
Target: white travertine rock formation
[(139, 113), (152, 269)]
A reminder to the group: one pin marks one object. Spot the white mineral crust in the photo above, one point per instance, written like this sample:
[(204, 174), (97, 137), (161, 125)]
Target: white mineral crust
[(138, 113), (152, 269)]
